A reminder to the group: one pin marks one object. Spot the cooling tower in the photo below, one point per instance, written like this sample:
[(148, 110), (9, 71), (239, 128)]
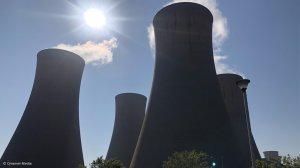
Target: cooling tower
[(185, 110), (269, 155), (233, 98), (48, 134), (130, 112)]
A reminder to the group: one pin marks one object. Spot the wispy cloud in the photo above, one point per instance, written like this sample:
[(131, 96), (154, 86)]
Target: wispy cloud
[(220, 33), (221, 67), (151, 37), (91, 52)]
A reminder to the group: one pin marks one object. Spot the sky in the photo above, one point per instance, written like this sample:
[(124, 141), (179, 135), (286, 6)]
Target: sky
[(259, 40)]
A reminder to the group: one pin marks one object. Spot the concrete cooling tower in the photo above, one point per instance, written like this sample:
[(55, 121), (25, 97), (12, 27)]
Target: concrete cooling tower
[(233, 98), (185, 110), (48, 134), (130, 112)]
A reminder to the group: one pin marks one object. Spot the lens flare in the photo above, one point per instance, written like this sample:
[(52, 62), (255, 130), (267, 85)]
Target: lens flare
[(94, 18)]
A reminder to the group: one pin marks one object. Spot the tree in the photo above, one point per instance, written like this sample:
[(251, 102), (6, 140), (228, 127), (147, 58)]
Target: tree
[(187, 159), (290, 162), (283, 162), (81, 166), (110, 163), (264, 164), (260, 164)]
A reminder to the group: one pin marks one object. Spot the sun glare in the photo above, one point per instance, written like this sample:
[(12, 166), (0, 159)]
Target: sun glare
[(94, 18)]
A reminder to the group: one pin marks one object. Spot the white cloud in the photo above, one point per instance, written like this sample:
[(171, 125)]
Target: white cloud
[(91, 52), (151, 37), (219, 35), (221, 67)]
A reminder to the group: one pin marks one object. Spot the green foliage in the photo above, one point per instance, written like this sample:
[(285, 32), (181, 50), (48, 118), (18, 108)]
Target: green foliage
[(264, 164), (290, 162), (81, 166), (110, 163), (260, 164), (187, 159), (284, 162)]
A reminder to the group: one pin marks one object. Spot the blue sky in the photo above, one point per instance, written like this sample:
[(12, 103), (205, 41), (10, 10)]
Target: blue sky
[(258, 39)]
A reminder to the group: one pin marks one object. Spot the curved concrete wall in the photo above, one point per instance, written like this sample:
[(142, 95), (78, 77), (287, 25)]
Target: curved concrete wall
[(233, 98), (48, 134), (130, 112), (269, 155), (186, 110)]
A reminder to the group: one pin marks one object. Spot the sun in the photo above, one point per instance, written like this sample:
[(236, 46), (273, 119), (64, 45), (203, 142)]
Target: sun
[(94, 18)]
